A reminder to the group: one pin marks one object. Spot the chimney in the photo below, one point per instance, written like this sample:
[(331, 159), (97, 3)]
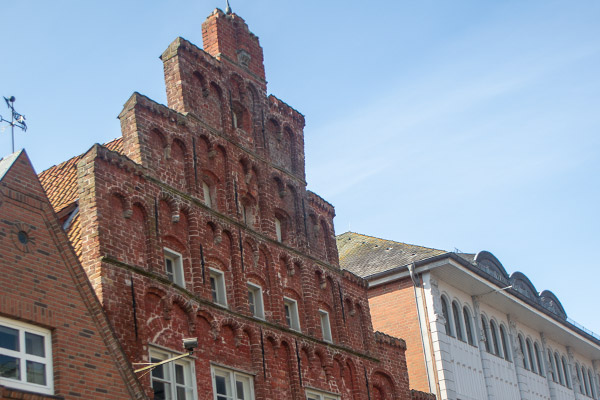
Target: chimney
[(226, 36)]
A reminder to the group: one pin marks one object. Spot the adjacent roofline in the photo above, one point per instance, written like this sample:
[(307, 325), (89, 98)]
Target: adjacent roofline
[(431, 263)]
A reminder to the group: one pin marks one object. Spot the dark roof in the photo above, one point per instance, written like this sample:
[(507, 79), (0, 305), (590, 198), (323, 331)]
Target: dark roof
[(367, 255)]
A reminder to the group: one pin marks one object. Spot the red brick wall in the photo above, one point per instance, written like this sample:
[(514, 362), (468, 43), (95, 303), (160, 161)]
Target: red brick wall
[(394, 311), (42, 284), (132, 208)]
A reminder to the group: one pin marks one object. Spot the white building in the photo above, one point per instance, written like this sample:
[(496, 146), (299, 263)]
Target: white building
[(473, 331)]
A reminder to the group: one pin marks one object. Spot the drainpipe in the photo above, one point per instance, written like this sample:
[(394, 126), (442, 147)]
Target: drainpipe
[(418, 282)]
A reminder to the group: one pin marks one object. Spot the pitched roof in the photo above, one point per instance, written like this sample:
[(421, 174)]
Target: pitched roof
[(60, 184), (60, 181), (367, 255)]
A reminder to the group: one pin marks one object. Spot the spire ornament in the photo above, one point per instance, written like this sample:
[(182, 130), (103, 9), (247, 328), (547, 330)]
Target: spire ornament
[(228, 8)]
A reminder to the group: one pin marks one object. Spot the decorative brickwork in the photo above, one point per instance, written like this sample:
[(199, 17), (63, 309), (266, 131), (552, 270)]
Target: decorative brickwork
[(216, 181)]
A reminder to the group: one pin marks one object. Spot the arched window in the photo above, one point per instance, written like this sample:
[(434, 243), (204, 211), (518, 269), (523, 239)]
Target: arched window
[(538, 358), (468, 326), (551, 367), (579, 378), (457, 325), (530, 356), (494, 329), (567, 372), (446, 316), (522, 348), (559, 371), (486, 335), (592, 386), (504, 343), (586, 383)]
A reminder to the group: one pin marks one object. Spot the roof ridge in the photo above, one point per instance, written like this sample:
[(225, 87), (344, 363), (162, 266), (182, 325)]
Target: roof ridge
[(393, 241)]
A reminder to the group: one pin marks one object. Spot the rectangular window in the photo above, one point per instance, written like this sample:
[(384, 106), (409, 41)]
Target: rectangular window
[(255, 301), (325, 326), (217, 287), (312, 394), (291, 313), (25, 357), (206, 192), (174, 267), (231, 385), (173, 380), (278, 229)]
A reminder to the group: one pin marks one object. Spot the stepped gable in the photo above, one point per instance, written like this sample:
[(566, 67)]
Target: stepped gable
[(199, 224)]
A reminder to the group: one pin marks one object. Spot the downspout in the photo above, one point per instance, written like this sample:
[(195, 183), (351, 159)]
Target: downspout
[(418, 282)]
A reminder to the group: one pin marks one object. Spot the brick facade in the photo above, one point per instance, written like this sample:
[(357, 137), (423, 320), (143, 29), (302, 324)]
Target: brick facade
[(394, 311), (217, 177), (43, 285)]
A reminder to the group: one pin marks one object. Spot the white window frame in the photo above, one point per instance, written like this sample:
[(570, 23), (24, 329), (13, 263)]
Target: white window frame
[(206, 193), (325, 326), (294, 317), (23, 357), (170, 375), (312, 394), (176, 275), (219, 293), (278, 235), (258, 308), (232, 377)]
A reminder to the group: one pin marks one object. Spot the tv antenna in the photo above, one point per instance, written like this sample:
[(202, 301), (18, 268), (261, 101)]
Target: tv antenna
[(16, 119)]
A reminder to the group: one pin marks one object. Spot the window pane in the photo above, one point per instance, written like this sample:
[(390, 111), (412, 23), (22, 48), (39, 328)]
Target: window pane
[(9, 367), (240, 390), (179, 374), (288, 316), (161, 390), (34, 344), (213, 288), (9, 338), (159, 371), (221, 384), (251, 302), (182, 393), (36, 373)]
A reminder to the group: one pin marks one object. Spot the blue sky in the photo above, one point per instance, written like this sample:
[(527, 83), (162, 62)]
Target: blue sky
[(465, 125)]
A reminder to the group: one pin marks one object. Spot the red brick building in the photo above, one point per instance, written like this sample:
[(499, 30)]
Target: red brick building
[(55, 340), (197, 223)]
